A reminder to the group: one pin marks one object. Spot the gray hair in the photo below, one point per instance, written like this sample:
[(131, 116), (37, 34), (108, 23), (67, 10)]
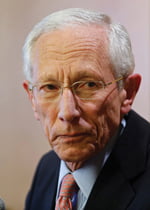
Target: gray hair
[(120, 51)]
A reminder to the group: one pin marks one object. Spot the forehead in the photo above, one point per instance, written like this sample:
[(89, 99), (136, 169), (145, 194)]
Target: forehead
[(86, 45), (90, 37)]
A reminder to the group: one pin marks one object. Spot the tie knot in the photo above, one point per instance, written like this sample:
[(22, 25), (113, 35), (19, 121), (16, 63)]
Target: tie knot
[(68, 186), (68, 193)]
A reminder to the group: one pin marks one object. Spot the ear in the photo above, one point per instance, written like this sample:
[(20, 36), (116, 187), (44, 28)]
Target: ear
[(131, 86), (31, 98)]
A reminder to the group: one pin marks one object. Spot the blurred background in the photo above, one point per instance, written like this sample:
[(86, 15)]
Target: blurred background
[(22, 141)]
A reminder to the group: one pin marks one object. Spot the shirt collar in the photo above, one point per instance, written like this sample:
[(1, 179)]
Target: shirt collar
[(86, 176)]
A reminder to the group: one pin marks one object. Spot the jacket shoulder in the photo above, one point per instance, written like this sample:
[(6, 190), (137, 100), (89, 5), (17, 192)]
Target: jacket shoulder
[(43, 188), (134, 118)]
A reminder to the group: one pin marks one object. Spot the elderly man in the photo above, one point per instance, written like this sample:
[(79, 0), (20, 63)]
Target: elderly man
[(79, 78)]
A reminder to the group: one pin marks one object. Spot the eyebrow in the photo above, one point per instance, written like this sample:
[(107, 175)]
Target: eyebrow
[(47, 78), (87, 74), (76, 76)]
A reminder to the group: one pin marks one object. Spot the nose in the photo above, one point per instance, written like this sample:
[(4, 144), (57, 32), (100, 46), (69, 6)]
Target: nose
[(68, 107)]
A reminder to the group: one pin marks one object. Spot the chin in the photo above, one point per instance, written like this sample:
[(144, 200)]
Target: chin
[(75, 155)]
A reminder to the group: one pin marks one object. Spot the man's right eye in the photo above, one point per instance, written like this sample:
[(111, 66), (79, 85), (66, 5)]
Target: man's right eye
[(49, 88)]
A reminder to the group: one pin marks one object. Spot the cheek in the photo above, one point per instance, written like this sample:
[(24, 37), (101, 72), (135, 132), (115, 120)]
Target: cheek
[(111, 116), (106, 118), (113, 110), (95, 116), (47, 116)]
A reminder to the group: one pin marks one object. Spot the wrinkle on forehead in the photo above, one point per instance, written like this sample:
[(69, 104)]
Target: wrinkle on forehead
[(61, 50), (70, 42)]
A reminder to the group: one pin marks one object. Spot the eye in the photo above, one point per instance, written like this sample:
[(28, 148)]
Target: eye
[(50, 87), (89, 85)]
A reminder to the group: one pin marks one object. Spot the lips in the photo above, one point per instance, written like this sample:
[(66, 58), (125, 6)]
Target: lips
[(72, 137), (75, 134)]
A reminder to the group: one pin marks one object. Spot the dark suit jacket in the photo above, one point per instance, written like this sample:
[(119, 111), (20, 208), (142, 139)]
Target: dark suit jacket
[(123, 184)]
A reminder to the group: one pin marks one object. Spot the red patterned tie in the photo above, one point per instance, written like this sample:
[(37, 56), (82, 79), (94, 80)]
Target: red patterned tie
[(68, 188)]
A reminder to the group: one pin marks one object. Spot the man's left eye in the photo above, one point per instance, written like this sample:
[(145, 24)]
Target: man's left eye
[(87, 85), (91, 84)]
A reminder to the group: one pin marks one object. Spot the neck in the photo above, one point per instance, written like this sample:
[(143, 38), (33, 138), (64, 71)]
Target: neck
[(74, 165)]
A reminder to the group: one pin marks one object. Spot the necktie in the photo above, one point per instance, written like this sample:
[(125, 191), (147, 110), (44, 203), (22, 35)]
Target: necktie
[(68, 189)]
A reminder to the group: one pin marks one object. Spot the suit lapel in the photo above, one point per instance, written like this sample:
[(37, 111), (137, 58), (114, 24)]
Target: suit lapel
[(113, 188), (47, 180), (53, 181), (52, 192)]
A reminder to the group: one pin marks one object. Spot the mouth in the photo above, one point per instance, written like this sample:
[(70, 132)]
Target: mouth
[(72, 138)]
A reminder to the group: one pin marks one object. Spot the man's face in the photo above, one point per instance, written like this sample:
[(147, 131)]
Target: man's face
[(76, 128)]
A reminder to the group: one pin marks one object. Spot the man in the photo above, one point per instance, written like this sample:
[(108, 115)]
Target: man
[(79, 78)]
